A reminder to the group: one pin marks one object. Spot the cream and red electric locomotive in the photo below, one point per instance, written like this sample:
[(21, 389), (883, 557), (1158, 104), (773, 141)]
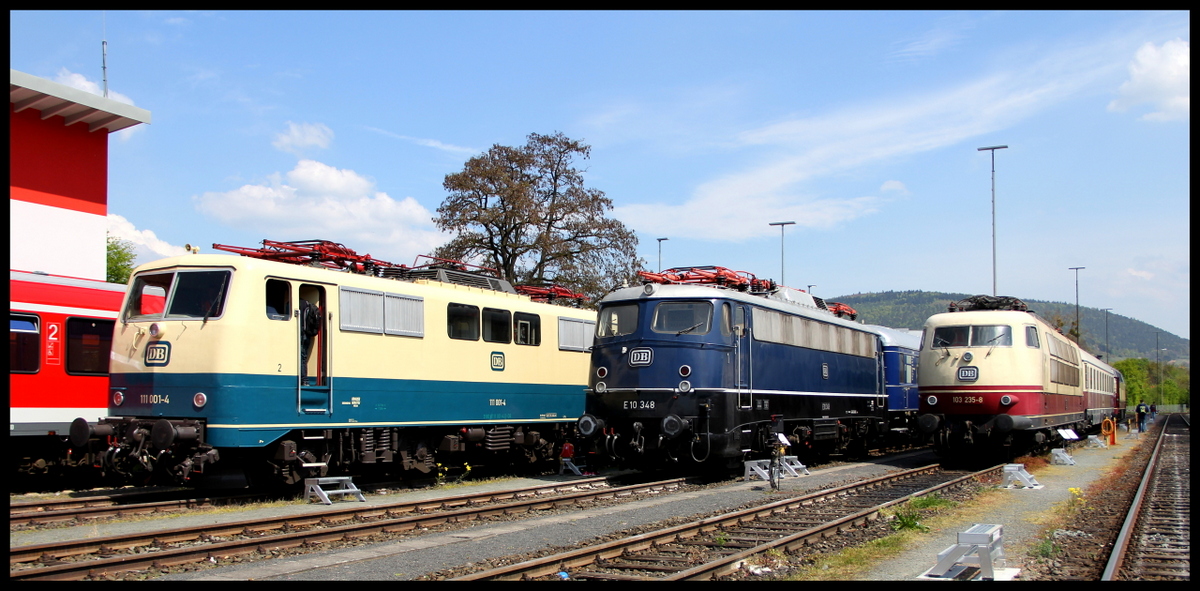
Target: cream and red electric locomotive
[(996, 377)]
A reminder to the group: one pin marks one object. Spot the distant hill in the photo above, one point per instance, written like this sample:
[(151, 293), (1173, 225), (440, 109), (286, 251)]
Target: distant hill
[(1126, 336)]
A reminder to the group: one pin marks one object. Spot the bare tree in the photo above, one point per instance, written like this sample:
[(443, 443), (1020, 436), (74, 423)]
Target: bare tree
[(526, 212)]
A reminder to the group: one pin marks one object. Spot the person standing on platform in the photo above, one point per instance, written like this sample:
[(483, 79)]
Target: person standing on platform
[(1142, 410)]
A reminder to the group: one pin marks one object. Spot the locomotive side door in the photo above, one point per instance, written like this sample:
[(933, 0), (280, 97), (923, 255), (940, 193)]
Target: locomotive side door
[(743, 356), (314, 394)]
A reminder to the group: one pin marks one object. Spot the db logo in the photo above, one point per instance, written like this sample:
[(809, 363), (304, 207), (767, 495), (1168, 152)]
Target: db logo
[(968, 374), (641, 357), (497, 361), (158, 354)]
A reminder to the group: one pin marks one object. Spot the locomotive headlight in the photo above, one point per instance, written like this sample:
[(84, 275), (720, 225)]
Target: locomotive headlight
[(601, 387), (967, 357), (685, 371), (649, 288), (685, 386), (602, 372), (199, 400), (155, 330), (118, 398), (1008, 400), (931, 401)]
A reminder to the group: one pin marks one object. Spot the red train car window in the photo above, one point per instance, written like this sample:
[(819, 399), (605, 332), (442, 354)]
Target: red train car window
[(24, 343), (89, 341)]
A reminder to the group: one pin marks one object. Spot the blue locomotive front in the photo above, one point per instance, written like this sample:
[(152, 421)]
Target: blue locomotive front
[(689, 373)]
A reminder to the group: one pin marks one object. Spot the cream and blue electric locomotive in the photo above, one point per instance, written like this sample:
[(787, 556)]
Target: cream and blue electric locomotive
[(282, 371), (708, 365)]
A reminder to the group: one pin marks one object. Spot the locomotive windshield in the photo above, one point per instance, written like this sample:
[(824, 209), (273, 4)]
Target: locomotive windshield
[(617, 320), (184, 295), (682, 317), (972, 336)]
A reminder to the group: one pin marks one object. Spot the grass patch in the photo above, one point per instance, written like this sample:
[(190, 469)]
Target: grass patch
[(932, 513)]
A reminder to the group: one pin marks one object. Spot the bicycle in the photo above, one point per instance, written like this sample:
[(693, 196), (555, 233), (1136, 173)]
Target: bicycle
[(775, 473)]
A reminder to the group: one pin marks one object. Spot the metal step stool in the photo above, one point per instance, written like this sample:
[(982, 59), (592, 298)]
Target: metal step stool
[(789, 466), (1060, 456), (1015, 473), (314, 487), (982, 545)]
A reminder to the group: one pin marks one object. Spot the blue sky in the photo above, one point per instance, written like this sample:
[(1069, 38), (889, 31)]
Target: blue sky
[(862, 127)]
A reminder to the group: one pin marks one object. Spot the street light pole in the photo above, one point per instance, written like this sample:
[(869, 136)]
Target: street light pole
[(1157, 361), (660, 241), (1078, 328), (993, 149), (781, 226), (810, 287), (1107, 351)]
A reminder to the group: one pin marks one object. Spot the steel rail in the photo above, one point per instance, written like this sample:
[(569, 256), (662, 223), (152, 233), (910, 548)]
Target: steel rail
[(1121, 547), (384, 522), (549, 565)]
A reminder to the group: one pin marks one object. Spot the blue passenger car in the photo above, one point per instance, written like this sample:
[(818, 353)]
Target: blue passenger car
[(901, 351)]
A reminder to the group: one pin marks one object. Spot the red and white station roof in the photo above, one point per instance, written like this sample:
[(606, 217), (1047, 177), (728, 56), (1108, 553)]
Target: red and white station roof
[(75, 106)]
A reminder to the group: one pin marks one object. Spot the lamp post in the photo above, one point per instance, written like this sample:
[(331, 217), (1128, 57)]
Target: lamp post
[(993, 149), (1078, 328), (1107, 352), (810, 287), (1159, 363), (660, 241), (781, 226)]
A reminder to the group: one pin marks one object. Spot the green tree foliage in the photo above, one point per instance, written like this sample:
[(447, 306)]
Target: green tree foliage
[(526, 212), (121, 260), (1155, 382)]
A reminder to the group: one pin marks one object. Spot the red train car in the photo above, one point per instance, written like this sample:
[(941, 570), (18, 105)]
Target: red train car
[(59, 337)]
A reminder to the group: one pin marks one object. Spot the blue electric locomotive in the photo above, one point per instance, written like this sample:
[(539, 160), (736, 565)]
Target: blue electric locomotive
[(706, 365)]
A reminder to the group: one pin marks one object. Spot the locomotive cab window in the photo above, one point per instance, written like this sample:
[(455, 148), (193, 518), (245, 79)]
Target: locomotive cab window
[(24, 343), (682, 317), (1031, 337), (991, 336), (279, 300), (189, 295), (527, 329), (89, 341), (951, 336), (617, 320), (462, 322), (497, 325)]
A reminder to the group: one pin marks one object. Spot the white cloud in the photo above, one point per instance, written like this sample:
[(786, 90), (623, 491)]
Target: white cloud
[(81, 82), (894, 186), (946, 35), (318, 201), (298, 137), (147, 246), (797, 151), (1160, 76), (435, 144), (1140, 274)]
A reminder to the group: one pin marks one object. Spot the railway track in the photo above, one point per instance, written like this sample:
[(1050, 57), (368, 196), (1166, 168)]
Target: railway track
[(110, 556), (716, 546), (1155, 540)]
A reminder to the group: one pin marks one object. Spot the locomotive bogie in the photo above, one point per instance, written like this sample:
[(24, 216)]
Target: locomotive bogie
[(318, 370)]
